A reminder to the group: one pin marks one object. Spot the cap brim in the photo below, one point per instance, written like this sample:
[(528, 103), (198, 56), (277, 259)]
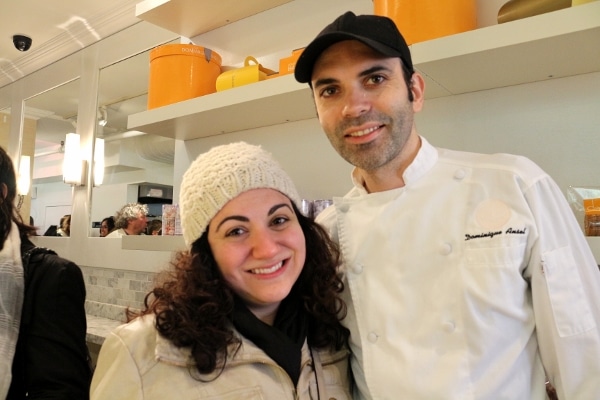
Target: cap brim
[(306, 61)]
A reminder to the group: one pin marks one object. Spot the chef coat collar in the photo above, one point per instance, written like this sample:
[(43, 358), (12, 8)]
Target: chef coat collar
[(423, 162)]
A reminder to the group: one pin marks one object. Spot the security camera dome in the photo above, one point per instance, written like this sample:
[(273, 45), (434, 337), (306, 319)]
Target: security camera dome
[(22, 42)]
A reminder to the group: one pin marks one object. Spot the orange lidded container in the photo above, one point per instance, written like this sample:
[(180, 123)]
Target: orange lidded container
[(180, 72), (421, 20), (288, 64)]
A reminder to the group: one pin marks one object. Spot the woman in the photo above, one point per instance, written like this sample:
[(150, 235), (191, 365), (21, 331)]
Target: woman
[(154, 227), (65, 226), (12, 284), (51, 357), (250, 310), (107, 226)]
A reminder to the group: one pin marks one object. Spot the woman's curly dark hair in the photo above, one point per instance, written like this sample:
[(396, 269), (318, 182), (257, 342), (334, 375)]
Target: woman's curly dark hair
[(8, 211), (193, 305)]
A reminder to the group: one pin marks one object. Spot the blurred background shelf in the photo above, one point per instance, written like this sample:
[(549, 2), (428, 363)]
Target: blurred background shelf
[(548, 46)]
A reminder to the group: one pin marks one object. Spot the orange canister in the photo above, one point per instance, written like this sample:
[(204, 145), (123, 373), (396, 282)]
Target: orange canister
[(181, 72), (420, 20)]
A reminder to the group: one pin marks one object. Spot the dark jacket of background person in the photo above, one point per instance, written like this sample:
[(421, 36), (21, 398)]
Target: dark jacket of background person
[(51, 360)]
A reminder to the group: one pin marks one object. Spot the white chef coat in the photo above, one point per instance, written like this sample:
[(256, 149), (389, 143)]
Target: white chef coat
[(473, 281)]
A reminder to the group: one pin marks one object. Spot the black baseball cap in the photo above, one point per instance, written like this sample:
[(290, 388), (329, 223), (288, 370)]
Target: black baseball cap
[(378, 32)]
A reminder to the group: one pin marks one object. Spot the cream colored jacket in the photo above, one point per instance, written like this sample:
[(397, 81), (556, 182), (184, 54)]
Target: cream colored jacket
[(135, 362)]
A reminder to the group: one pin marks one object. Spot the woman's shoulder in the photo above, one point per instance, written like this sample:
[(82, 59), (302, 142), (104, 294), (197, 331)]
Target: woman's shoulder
[(331, 356), (136, 328), (141, 338)]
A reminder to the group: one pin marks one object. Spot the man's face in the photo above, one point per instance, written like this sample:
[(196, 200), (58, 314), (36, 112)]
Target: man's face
[(362, 100), (138, 225)]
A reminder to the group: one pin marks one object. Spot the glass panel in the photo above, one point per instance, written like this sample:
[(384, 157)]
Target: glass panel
[(134, 161), (4, 127), (49, 116)]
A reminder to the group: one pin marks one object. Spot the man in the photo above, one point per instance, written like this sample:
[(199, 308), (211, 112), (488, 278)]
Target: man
[(467, 275), (130, 220)]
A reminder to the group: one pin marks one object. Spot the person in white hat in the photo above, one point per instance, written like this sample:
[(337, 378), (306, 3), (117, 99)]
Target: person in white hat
[(250, 310)]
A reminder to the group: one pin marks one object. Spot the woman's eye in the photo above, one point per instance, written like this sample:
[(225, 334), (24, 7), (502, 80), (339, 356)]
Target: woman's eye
[(234, 232), (280, 220)]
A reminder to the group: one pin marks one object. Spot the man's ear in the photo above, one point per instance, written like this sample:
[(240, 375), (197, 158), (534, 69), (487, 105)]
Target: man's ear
[(417, 88)]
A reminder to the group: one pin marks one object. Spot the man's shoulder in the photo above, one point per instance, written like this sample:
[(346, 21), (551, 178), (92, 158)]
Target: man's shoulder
[(116, 233), (512, 163)]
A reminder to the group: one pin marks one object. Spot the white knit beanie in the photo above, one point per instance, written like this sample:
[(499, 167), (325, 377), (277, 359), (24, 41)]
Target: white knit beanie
[(221, 174)]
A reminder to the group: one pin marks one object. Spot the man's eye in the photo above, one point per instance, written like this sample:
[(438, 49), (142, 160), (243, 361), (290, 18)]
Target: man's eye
[(376, 79), (329, 91)]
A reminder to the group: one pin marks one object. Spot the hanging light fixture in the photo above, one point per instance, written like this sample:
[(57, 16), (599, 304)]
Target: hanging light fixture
[(24, 180), (73, 164), (98, 161)]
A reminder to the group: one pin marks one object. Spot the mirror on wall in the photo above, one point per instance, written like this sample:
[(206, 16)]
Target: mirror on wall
[(48, 118), (23, 165), (4, 127), (138, 166)]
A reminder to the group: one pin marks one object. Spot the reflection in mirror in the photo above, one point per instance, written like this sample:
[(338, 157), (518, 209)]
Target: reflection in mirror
[(49, 116), (4, 127), (138, 166), (24, 164)]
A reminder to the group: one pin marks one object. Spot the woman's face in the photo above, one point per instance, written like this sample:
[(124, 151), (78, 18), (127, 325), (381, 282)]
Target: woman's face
[(103, 229), (259, 247)]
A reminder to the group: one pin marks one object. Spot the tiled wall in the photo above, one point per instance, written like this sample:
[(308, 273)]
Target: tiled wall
[(111, 291)]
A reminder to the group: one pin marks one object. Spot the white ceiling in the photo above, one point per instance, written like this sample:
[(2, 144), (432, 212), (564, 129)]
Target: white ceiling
[(60, 28), (57, 28)]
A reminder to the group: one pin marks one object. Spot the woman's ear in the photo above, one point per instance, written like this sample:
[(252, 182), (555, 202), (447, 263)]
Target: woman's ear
[(4, 189)]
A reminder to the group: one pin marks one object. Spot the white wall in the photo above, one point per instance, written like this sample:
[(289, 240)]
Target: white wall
[(556, 123)]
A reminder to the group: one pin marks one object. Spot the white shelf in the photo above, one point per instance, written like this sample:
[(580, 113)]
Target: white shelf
[(553, 45), (153, 243), (190, 18), (270, 102)]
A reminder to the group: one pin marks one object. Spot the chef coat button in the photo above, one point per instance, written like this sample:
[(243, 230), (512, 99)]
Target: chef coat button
[(357, 268), (373, 337), (446, 249), (460, 174), (449, 326), (342, 208)]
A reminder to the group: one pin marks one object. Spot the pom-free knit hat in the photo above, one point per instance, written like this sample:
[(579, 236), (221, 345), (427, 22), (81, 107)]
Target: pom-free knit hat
[(221, 174), (378, 32)]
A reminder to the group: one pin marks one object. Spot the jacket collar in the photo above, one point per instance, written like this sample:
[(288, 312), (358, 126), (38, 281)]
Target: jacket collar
[(166, 352), (423, 162)]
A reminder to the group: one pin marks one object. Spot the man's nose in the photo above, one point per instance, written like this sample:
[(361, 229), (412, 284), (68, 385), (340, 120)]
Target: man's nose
[(356, 103)]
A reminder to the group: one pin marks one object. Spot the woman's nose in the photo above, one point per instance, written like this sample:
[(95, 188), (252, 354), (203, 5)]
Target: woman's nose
[(264, 245)]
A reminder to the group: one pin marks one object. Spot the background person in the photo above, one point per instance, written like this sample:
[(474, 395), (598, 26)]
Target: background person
[(51, 357), (250, 310), (154, 227), (130, 220), (468, 274), (12, 283), (107, 226), (64, 228)]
